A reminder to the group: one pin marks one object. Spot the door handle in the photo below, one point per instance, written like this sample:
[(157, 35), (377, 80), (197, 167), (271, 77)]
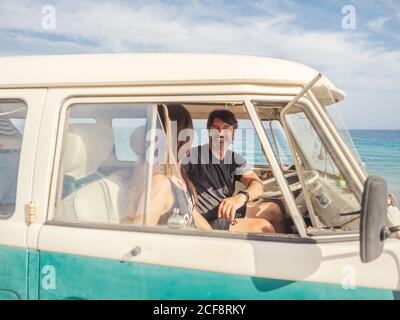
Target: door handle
[(136, 251)]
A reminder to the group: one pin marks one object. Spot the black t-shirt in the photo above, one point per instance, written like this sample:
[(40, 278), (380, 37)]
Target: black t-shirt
[(214, 179)]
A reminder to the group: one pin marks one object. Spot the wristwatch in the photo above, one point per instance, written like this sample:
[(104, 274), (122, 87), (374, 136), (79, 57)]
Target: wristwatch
[(246, 194)]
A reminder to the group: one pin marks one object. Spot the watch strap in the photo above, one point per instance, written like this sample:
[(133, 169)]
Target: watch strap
[(246, 194)]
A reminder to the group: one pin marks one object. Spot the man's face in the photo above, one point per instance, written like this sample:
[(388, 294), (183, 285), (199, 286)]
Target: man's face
[(221, 134)]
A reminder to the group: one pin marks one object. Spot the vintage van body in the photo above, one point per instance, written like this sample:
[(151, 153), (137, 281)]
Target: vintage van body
[(44, 255)]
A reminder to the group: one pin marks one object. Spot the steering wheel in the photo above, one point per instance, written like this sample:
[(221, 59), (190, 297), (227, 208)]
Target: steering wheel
[(293, 180)]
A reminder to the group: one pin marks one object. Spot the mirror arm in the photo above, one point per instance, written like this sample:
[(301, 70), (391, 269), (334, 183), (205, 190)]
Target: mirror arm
[(389, 232)]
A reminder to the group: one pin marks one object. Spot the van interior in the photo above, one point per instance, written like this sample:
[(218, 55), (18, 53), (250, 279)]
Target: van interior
[(109, 141)]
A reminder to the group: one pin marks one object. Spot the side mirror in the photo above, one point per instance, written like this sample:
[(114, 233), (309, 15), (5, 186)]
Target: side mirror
[(374, 209)]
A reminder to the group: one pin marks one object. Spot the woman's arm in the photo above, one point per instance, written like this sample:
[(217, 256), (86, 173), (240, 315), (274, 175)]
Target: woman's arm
[(161, 201)]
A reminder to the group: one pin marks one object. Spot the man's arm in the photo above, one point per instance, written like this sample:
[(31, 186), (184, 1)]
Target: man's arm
[(227, 208), (253, 184)]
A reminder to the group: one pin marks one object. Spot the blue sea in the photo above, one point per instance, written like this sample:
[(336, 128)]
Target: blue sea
[(379, 150)]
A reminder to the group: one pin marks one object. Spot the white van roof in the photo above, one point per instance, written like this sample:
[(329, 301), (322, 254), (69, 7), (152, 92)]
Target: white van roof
[(132, 69)]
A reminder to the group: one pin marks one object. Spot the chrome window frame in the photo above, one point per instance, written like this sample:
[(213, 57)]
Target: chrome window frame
[(104, 99), (118, 95), (329, 136), (26, 107)]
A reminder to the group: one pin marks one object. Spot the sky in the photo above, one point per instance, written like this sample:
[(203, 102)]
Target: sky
[(355, 43)]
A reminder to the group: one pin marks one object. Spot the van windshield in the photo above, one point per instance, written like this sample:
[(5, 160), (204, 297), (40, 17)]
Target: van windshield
[(332, 202)]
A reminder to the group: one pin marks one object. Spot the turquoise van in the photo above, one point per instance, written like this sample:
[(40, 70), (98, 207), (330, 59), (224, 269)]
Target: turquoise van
[(73, 131)]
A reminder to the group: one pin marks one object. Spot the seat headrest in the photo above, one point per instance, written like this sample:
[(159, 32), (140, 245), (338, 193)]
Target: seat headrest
[(10, 137), (87, 147), (138, 141)]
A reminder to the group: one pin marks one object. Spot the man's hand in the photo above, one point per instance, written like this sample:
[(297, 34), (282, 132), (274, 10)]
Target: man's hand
[(266, 175), (227, 208)]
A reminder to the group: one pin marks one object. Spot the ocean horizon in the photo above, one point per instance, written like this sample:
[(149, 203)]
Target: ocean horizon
[(379, 150)]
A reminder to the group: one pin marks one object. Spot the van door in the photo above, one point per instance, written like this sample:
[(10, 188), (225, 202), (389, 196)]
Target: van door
[(19, 124), (90, 248)]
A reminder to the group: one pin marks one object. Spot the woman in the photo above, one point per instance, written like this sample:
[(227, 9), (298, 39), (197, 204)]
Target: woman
[(174, 194)]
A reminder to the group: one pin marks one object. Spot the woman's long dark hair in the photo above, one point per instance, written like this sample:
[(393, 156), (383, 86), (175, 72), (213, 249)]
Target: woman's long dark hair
[(183, 119)]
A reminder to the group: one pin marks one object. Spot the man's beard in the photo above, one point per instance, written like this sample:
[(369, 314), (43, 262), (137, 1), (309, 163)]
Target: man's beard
[(220, 145)]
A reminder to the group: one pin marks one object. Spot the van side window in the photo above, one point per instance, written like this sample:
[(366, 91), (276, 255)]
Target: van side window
[(115, 171), (12, 124)]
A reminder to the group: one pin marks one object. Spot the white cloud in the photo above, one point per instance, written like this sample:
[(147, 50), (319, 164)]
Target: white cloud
[(378, 24), (349, 58)]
